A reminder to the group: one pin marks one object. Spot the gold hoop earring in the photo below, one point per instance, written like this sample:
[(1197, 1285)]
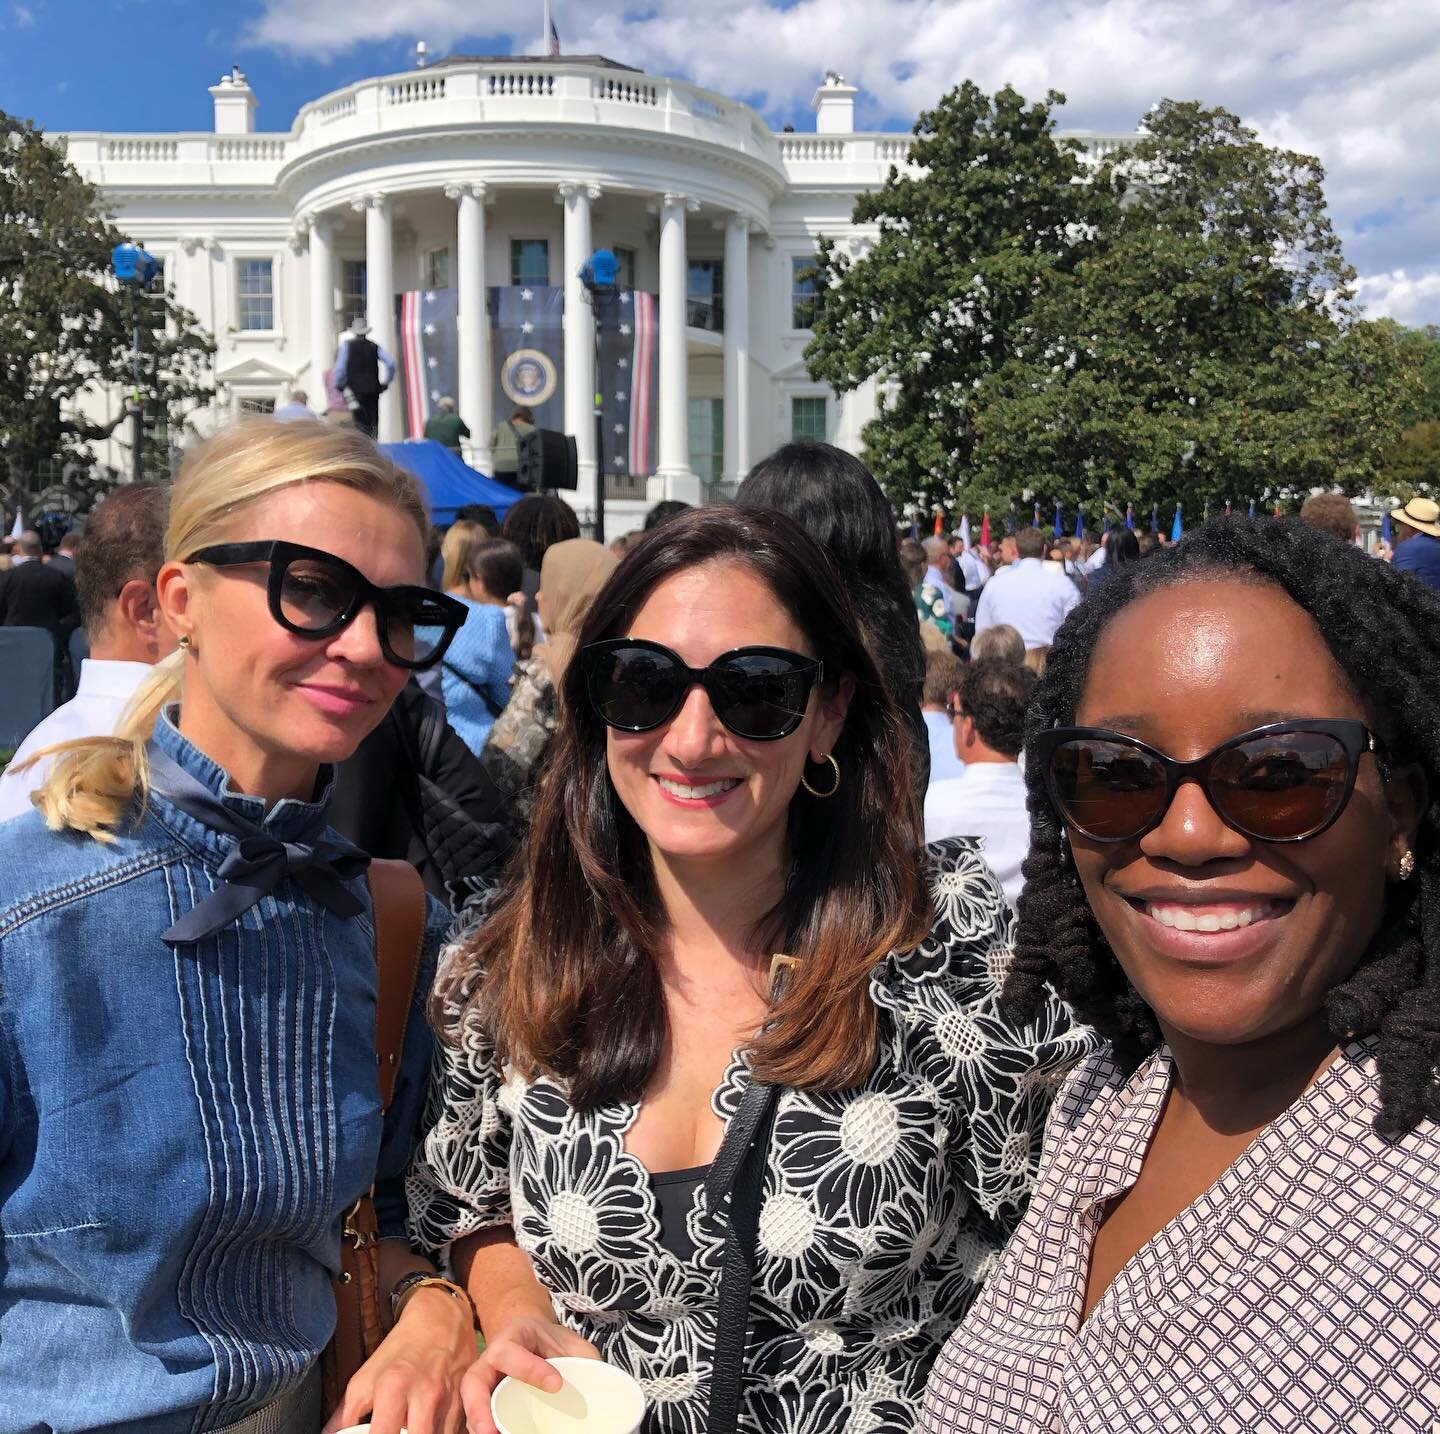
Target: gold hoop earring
[(1407, 865), (835, 767)]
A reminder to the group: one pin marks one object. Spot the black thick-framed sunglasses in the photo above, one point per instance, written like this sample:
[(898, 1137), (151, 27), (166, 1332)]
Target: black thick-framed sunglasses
[(315, 594), (1284, 782), (759, 693)]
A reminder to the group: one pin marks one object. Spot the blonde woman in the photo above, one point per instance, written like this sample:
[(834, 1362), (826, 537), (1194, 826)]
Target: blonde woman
[(187, 1080)]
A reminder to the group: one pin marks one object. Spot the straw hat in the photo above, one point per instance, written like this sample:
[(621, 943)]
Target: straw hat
[(1422, 514)]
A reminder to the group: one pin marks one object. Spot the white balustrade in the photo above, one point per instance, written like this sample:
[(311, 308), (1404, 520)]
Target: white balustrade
[(416, 91)]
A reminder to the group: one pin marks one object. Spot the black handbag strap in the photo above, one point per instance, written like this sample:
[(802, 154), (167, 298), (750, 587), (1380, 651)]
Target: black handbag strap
[(739, 1169)]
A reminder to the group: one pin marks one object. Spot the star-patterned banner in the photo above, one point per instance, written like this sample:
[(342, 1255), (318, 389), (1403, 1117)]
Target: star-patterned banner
[(527, 352), (428, 357), (527, 359), (628, 368)]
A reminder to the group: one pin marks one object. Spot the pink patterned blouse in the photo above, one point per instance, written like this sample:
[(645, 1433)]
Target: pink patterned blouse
[(1301, 1291)]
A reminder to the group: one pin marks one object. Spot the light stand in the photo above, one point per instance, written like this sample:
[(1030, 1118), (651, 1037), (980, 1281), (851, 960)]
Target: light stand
[(136, 270), (597, 277)]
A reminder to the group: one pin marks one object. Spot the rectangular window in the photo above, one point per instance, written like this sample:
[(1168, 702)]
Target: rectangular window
[(808, 418), (707, 439), (624, 266), (352, 291), (706, 306), (255, 294), (437, 269), (803, 288), (530, 262)]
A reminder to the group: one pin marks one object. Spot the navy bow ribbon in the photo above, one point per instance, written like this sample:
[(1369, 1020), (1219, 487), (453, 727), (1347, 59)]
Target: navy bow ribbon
[(319, 860)]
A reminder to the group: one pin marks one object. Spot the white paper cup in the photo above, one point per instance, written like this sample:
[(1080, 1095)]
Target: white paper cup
[(596, 1398)]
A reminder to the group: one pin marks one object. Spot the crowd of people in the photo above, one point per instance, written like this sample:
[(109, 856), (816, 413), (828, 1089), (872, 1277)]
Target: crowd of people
[(859, 984)]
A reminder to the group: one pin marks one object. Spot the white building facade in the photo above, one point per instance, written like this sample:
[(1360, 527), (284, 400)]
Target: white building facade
[(480, 172)]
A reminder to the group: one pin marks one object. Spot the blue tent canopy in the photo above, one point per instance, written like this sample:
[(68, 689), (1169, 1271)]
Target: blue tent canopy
[(448, 482)]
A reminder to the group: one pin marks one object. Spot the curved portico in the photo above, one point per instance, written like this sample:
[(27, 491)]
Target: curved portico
[(621, 155)]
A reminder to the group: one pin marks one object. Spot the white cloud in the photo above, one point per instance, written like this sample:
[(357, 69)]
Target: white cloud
[(1398, 296), (1352, 81)]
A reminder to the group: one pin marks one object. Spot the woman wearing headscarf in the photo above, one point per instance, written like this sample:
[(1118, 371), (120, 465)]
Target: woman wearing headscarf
[(571, 573)]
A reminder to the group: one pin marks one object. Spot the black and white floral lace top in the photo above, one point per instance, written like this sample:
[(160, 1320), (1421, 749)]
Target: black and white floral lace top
[(884, 1205)]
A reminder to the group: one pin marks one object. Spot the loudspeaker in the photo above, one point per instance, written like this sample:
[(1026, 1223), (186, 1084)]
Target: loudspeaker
[(546, 459)]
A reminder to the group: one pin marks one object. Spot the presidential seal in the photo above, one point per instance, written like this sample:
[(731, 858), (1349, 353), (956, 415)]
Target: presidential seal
[(529, 377)]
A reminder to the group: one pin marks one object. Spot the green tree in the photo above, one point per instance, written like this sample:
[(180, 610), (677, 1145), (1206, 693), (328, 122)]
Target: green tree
[(1412, 464), (1186, 334), (968, 237), (65, 329), (1205, 348)]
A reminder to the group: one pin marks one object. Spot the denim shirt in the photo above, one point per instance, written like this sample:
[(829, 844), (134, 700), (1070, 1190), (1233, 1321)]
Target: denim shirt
[(181, 1127)]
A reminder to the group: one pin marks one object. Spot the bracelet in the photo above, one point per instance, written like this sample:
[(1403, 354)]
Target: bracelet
[(406, 1286)]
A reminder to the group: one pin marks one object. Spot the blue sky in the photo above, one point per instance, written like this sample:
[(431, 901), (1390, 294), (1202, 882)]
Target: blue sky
[(1352, 81)]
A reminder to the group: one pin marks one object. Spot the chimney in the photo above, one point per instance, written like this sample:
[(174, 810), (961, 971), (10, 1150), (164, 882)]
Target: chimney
[(834, 104), (234, 104)]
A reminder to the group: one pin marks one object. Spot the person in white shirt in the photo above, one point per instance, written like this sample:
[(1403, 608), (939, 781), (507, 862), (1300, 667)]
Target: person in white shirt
[(987, 799), (1026, 595), (115, 569), (942, 681), (295, 408), (937, 558)]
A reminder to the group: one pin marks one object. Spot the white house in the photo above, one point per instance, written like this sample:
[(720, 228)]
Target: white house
[(496, 171)]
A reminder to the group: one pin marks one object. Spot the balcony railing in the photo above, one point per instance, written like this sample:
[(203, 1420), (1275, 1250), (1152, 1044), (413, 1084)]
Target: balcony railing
[(508, 93)]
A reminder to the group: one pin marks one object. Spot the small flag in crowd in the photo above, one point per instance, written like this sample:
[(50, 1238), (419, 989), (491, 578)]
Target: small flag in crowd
[(1037, 514), (1130, 515), (964, 534), (1387, 533), (1059, 521), (1252, 507), (1079, 520), (1177, 529), (939, 521), (985, 529)]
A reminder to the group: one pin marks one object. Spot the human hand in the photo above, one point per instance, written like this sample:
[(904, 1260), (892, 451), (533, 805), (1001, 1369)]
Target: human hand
[(521, 1348), (413, 1381)]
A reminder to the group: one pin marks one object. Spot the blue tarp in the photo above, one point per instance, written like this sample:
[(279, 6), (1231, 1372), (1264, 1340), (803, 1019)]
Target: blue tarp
[(449, 482)]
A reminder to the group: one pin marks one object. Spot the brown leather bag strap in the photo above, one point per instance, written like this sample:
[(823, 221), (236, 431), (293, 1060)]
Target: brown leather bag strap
[(398, 896)]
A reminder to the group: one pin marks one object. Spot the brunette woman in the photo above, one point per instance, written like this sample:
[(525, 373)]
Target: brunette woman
[(188, 1096), (731, 780), (1234, 765)]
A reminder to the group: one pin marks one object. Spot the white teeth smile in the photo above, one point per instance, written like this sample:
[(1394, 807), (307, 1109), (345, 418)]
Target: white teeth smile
[(1230, 918), (692, 794)]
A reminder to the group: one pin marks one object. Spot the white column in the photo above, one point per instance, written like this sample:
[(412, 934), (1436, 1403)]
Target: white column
[(380, 302), (673, 469), (579, 338), (473, 321), (737, 348), (320, 281)]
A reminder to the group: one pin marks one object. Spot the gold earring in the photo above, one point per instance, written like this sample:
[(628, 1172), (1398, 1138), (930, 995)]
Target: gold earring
[(1407, 865), (835, 767)]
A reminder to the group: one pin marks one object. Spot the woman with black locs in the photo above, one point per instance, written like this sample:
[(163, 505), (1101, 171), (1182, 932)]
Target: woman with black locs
[(1234, 1224)]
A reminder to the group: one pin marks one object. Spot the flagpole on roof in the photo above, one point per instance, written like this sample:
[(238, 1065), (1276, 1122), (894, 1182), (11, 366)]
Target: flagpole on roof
[(545, 31)]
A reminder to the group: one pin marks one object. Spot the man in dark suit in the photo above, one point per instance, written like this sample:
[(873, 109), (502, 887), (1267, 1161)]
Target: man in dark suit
[(363, 371), (63, 558), (34, 593)]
